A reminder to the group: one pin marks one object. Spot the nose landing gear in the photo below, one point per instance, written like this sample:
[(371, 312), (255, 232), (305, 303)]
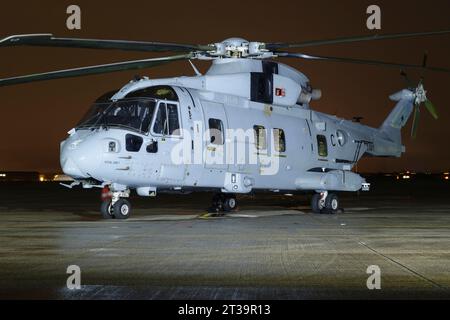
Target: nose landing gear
[(325, 202), (114, 205)]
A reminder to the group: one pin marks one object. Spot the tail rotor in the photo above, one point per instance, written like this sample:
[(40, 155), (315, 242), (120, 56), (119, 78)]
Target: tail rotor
[(420, 98)]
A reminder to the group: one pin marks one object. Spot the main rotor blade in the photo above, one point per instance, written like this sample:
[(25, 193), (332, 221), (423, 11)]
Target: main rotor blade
[(415, 123), (275, 46), (358, 61), (430, 107), (425, 59), (407, 80), (98, 69), (48, 40)]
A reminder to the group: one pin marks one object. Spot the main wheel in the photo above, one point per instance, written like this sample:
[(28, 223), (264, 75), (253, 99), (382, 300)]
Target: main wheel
[(121, 209), (216, 204), (106, 209), (316, 206), (332, 203), (229, 203)]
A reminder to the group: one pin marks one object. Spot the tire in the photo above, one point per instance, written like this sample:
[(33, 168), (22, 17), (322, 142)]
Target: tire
[(217, 200), (229, 204), (315, 205), (332, 204), (106, 209), (122, 209)]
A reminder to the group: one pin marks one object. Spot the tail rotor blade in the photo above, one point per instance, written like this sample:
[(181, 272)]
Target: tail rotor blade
[(415, 124), (430, 107)]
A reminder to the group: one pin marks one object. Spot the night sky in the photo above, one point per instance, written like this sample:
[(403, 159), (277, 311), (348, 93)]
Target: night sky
[(35, 117)]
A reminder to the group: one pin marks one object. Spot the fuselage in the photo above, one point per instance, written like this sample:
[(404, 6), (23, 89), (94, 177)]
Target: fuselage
[(242, 127)]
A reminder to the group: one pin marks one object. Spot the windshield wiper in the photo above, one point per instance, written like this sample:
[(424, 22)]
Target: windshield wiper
[(105, 124)]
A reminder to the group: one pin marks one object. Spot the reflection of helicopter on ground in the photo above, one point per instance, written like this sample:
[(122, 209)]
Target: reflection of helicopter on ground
[(244, 126)]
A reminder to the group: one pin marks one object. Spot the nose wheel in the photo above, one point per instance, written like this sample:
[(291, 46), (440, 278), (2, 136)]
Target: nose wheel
[(106, 209), (324, 202), (119, 210), (114, 205)]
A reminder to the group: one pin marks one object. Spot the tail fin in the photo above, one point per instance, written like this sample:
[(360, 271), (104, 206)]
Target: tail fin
[(399, 116)]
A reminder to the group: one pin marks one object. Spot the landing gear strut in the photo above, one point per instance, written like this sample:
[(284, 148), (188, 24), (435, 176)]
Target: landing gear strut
[(325, 202), (114, 205), (223, 202)]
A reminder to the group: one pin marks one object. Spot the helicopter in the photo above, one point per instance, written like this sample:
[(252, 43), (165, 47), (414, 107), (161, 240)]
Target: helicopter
[(245, 126)]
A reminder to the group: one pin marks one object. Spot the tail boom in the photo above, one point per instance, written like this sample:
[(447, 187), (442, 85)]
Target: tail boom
[(387, 140)]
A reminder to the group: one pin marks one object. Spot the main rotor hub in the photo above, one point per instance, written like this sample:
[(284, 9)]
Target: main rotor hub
[(420, 94), (239, 48)]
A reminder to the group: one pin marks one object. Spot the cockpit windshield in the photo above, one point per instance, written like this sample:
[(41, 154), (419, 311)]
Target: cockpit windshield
[(131, 113)]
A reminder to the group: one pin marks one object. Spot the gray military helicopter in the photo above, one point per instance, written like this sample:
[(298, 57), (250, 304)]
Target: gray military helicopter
[(244, 126)]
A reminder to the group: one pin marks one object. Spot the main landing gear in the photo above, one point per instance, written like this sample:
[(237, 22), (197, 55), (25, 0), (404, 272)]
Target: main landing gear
[(223, 202), (114, 204), (325, 202)]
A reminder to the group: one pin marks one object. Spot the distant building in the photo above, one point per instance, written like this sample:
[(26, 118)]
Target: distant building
[(19, 176), (62, 177)]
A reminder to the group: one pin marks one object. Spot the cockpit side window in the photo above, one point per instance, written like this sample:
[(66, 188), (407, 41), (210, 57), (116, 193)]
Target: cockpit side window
[(160, 126), (167, 120), (146, 119), (174, 122)]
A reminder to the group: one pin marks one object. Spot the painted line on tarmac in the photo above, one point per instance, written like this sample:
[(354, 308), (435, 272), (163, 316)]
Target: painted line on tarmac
[(250, 215), (165, 218), (417, 274)]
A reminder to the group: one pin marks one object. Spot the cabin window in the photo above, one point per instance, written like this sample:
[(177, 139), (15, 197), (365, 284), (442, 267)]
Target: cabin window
[(260, 137), (133, 143), (216, 131), (322, 146), (167, 120), (279, 140)]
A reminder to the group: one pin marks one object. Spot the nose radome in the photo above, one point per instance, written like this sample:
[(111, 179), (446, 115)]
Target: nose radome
[(71, 169), (80, 158)]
